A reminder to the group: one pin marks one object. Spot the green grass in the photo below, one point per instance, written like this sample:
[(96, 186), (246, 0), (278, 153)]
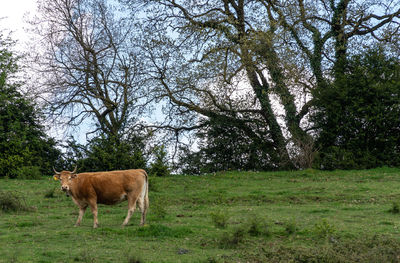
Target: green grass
[(303, 216)]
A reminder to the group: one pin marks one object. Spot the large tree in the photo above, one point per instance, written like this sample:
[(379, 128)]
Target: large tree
[(255, 65), (87, 65)]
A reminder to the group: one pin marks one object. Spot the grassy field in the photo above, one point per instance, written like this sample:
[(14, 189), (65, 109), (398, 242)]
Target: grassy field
[(303, 216)]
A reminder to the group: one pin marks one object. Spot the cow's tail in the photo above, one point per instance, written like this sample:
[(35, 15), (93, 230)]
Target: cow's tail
[(144, 198), (146, 195)]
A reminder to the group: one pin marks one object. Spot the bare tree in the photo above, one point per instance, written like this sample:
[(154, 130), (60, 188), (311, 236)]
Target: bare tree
[(87, 64)]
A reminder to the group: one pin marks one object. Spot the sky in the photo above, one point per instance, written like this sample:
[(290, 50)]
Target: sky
[(12, 13)]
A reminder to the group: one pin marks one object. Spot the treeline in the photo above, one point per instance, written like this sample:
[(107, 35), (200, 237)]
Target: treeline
[(219, 85)]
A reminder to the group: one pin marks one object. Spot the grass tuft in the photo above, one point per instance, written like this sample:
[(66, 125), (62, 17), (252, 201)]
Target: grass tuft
[(395, 208), (231, 240), (158, 210), (258, 227), (291, 227), (161, 231), (50, 193), (324, 229), (220, 219), (134, 259), (11, 202)]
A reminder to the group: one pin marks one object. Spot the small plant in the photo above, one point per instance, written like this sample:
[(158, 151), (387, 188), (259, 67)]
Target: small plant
[(324, 229), (395, 208), (220, 219), (231, 240), (11, 202), (291, 227)]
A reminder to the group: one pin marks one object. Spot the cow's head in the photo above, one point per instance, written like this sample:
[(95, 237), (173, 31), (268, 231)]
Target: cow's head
[(65, 178)]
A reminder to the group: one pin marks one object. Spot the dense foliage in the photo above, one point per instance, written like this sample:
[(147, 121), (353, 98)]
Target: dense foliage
[(359, 115), (106, 153), (223, 146), (25, 149)]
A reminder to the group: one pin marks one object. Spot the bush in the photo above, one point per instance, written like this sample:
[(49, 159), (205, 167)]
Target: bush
[(107, 153), (29, 172)]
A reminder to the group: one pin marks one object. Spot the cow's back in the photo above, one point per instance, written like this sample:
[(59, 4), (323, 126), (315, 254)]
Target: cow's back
[(110, 187)]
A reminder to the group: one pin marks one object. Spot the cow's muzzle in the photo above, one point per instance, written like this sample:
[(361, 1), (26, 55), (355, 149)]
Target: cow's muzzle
[(66, 190)]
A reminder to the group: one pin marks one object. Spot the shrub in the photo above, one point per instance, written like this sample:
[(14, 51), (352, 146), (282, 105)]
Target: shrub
[(28, 172)]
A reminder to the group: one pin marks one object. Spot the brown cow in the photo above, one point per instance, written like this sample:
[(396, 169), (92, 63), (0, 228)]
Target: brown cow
[(90, 189)]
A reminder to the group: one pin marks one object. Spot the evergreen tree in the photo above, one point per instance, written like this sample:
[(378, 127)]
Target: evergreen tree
[(25, 150), (359, 120)]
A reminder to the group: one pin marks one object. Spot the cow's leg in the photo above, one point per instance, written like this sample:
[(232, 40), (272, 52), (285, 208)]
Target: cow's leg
[(143, 208), (132, 198), (82, 210), (93, 207)]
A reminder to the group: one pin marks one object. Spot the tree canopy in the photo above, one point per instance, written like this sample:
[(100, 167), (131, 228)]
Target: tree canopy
[(25, 149), (234, 84)]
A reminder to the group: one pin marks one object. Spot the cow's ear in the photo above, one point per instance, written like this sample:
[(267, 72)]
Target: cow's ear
[(56, 177), (73, 175)]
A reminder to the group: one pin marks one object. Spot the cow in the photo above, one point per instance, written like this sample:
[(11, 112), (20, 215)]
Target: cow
[(90, 189)]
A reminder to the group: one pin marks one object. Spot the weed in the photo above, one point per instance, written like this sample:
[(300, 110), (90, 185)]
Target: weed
[(220, 219), (324, 229), (11, 202), (231, 240), (395, 208)]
